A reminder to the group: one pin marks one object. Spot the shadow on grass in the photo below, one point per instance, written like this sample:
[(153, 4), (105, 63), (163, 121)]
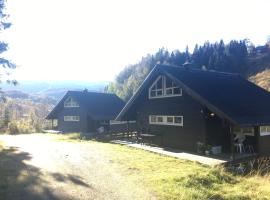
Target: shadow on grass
[(21, 181), (69, 178)]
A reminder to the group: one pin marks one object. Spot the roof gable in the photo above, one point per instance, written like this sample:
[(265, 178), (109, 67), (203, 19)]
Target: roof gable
[(229, 95), (97, 105)]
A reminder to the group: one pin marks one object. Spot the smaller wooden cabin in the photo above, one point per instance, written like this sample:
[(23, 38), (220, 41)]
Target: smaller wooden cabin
[(83, 111), (187, 107)]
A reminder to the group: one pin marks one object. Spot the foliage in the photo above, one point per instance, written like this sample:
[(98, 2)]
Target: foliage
[(23, 116), (255, 167), (4, 63), (6, 119), (13, 128), (4, 46), (231, 57), (20, 127), (128, 80)]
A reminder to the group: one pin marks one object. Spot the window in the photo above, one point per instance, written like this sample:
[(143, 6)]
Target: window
[(157, 89), (71, 118), (122, 122), (164, 87), (170, 119), (248, 130), (244, 130), (70, 102), (55, 123), (166, 120), (178, 120), (264, 130), (237, 129)]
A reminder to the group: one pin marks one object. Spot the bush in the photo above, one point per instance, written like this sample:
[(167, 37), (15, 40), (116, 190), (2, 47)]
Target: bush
[(13, 128), (19, 127)]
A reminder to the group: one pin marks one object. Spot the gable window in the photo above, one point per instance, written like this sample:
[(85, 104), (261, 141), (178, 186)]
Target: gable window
[(70, 103), (166, 120), (71, 118), (164, 87), (264, 130)]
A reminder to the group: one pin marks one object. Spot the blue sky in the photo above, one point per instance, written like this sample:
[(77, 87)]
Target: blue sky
[(93, 40)]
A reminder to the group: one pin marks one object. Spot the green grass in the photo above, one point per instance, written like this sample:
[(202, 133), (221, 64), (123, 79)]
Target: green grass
[(68, 137), (171, 178)]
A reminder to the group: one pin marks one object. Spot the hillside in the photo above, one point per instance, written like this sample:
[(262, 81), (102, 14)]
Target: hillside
[(46, 89), (258, 63), (27, 104), (234, 57), (262, 79)]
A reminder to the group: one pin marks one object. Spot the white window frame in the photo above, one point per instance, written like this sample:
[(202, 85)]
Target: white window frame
[(71, 103), (165, 120), (264, 132), (122, 122), (163, 89), (242, 131), (71, 118)]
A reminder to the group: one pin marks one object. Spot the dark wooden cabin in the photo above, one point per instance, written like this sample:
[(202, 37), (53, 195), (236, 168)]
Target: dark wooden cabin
[(83, 111), (186, 106)]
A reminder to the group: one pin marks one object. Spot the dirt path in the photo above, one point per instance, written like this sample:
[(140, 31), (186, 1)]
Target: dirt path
[(37, 166)]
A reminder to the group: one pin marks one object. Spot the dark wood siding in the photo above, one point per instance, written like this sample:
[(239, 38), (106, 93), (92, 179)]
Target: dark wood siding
[(264, 145), (70, 126), (185, 137), (218, 132), (91, 125)]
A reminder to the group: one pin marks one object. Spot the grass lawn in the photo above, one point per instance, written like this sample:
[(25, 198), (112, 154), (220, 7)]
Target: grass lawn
[(171, 178)]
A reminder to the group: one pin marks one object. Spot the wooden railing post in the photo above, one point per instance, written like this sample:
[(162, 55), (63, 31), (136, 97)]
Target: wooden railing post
[(232, 143), (257, 136)]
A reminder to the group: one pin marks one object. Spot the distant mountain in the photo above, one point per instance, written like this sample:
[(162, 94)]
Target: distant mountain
[(37, 90), (15, 94)]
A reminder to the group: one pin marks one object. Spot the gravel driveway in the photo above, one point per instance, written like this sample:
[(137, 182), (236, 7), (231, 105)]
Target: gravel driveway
[(37, 166)]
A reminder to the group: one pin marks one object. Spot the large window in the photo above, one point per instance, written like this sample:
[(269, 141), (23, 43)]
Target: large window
[(264, 130), (70, 102), (243, 130), (166, 120), (71, 118), (164, 87)]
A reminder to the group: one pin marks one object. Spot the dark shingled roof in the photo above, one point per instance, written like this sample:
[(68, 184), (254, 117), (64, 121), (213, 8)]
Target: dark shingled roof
[(100, 106), (228, 95)]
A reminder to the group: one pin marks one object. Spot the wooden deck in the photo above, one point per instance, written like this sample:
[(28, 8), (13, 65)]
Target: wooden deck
[(224, 158), (176, 153)]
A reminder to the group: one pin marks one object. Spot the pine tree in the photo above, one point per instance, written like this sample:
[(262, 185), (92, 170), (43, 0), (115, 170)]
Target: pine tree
[(6, 117)]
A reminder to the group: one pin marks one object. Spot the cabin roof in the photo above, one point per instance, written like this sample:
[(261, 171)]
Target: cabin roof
[(228, 95), (99, 106)]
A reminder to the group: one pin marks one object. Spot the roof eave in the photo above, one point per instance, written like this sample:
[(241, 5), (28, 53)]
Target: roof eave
[(56, 106), (135, 95), (200, 99)]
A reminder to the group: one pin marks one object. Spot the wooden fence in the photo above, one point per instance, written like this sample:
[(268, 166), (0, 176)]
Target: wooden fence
[(122, 129)]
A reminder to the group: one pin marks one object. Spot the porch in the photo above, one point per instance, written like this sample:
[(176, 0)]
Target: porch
[(210, 160)]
